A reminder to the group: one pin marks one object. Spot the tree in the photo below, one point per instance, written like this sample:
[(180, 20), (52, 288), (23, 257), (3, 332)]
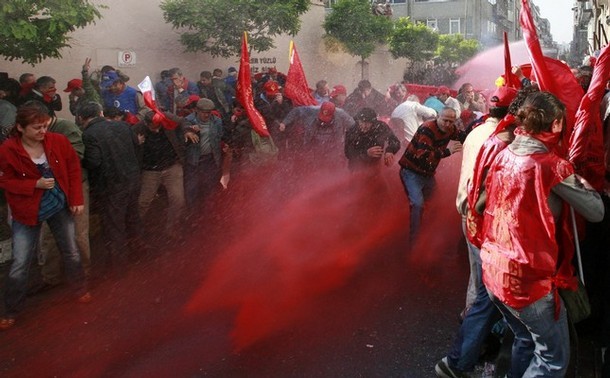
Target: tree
[(352, 25), (454, 49), (415, 42), (216, 26), (34, 30)]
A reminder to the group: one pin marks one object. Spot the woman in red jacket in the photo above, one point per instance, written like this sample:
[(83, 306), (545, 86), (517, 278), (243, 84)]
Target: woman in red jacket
[(41, 177)]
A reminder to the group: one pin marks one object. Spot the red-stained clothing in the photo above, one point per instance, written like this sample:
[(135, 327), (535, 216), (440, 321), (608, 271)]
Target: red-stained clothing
[(520, 254), (18, 175)]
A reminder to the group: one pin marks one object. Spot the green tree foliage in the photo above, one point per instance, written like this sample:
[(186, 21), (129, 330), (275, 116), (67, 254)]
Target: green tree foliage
[(453, 49), (352, 26), (415, 42), (34, 30), (216, 26)]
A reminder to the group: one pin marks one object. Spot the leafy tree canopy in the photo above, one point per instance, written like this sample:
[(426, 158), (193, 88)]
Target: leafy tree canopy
[(454, 49), (34, 30), (216, 26), (415, 42), (352, 25)]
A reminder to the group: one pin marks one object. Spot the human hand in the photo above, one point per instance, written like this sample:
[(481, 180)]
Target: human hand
[(87, 64), (375, 152), (190, 136), (45, 183)]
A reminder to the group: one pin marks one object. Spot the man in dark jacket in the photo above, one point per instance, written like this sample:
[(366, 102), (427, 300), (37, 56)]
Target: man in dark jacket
[(114, 172), (369, 141)]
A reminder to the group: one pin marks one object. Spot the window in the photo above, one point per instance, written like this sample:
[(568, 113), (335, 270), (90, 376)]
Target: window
[(491, 27), (432, 23), (454, 26)]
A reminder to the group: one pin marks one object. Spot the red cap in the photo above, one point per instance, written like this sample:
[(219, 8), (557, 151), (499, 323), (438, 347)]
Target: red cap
[(327, 111), (337, 90), (73, 84), (503, 96), (271, 88)]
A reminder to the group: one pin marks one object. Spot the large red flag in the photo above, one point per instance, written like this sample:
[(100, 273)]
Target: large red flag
[(511, 80), (550, 74), (148, 92), (244, 91), (586, 148), (296, 84)]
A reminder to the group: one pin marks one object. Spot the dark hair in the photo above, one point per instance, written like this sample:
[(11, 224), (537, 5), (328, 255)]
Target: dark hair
[(89, 110), (498, 111), (366, 115), (519, 99), (174, 71), (164, 74), (30, 113), (539, 111), (364, 84), (25, 76), (43, 81), (205, 75), (217, 72), (112, 112)]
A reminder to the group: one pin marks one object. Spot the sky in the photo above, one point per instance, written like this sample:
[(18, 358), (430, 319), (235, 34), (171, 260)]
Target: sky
[(560, 15)]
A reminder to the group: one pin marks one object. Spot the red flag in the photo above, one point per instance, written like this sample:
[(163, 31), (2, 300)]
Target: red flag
[(296, 84), (244, 91), (586, 148), (148, 93), (551, 75), (511, 79)]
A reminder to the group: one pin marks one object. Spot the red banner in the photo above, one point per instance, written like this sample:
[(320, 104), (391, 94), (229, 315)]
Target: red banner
[(550, 74), (297, 88), (244, 91), (586, 148)]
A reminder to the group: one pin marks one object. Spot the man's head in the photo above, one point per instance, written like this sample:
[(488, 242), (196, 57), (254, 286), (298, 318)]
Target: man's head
[(327, 112), (467, 91), (217, 72), (176, 76), (46, 86), (271, 88), (500, 101), (365, 118), (322, 88), (365, 87), (446, 119), (112, 82), (339, 94), (443, 93), (88, 111), (151, 121), (75, 87), (205, 77), (232, 71), (204, 109), (27, 79)]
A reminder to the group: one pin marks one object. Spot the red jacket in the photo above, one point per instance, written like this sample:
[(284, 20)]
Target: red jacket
[(18, 175), (520, 254)]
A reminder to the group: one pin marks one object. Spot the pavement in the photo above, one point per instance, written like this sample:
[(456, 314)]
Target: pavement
[(289, 290)]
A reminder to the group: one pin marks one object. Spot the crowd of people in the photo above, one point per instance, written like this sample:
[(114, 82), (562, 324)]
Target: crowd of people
[(116, 153)]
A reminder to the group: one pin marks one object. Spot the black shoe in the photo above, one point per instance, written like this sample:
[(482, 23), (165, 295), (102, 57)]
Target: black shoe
[(444, 370)]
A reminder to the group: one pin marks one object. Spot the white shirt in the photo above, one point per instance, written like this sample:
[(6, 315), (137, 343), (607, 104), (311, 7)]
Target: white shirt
[(470, 150), (413, 114)]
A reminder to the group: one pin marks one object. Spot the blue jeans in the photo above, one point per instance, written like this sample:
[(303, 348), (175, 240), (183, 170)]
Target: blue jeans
[(418, 188), (25, 245), (542, 344), (477, 323)]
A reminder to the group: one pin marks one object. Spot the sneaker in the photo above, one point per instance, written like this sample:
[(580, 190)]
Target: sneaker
[(444, 370)]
